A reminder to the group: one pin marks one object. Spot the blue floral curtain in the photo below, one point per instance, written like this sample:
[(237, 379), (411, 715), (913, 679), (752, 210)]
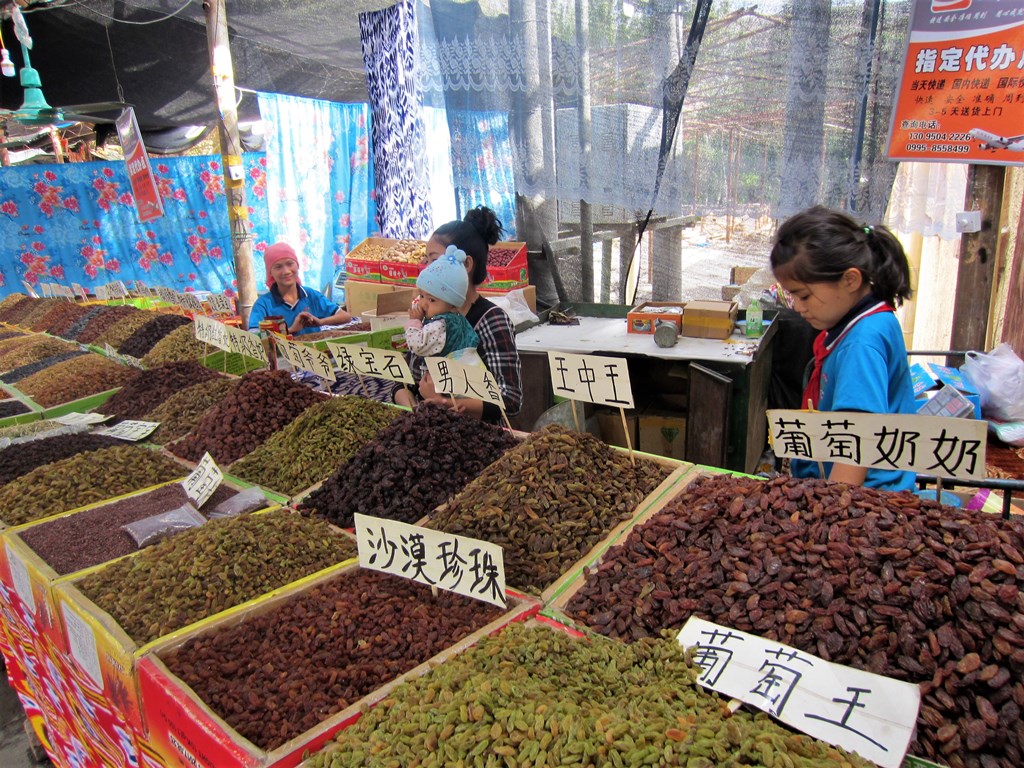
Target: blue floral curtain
[(399, 146), (76, 223), (483, 166), (319, 186)]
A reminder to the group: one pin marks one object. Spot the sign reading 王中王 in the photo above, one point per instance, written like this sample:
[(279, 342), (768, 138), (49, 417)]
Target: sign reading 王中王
[(454, 563), (859, 711), (930, 445), (959, 97), (367, 361), (590, 378)]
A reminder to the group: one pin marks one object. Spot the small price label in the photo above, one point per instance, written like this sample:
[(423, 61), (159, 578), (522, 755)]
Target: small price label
[(130, 430), (203, 481), (75, 419)]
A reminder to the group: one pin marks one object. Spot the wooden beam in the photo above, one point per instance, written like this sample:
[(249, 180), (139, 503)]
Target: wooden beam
[(1013, 320), (978, 256)]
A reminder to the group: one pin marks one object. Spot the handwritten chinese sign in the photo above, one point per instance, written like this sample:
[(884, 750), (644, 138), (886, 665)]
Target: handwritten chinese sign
[(220, 304), (246, 343), (865, 713), (931, 445), (601, 380), (130, 430), (367, 361), (454, 563), (204, 480), (959, 97), (189, 302), (211, 332), (74, 419), (453, 378), (307, 358)]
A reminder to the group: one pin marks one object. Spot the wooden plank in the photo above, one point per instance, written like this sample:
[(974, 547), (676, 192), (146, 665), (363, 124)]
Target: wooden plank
[(1013, 319), (978, 256), (707, 426)]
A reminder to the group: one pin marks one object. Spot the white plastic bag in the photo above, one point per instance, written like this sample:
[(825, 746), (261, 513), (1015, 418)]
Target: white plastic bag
[(515, 306), (999, 378)]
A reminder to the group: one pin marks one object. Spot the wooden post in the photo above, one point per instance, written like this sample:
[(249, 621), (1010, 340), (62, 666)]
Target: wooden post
[(231, 153), (584, 123), (976, 271)]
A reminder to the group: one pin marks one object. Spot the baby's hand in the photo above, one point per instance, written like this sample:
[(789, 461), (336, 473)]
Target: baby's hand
[(415, 310)]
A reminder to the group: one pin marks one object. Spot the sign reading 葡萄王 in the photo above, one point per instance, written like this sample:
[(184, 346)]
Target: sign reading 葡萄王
[(859, 711), (367, 361), (593, 379), (960, 97), (454, 563), (931, 445), (307, 358), (453, 378)]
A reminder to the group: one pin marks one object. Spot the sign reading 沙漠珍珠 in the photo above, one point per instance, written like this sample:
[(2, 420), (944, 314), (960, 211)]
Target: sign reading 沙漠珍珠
[(454, 563), (593, 379), (930, 445), (454, 378), (367, 361), (859, 711)]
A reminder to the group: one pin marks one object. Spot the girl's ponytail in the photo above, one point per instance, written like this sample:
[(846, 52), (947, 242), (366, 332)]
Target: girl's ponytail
[(890, 271)]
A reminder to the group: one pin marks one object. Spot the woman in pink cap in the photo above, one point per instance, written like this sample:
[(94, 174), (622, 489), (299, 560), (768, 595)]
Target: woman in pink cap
[(304, 310)]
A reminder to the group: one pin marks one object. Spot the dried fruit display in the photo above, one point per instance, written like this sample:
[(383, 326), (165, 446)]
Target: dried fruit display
[(20, 459), (75, 329), (94, 536), (548, 501), (8, 304), (180, 412), (411, 467), (880, 581), (529, 696), (348, 330), (211, 568), (40, 309), (17, 352), (179, 344), (260, 404), (150, 388), (24, 371), (60, 315), (83, 479), (123, 328), (106, 319), (12, 408), (75, 378), (312, 446), (406, 252), (280, 673), (146, 337)]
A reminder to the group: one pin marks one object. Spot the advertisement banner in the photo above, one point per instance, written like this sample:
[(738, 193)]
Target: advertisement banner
[(961, 95), (140, 173)]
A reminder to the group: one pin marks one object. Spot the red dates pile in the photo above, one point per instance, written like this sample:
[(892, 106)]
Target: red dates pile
[(285, 670), (415, 464), (501, 257), (260, 404), (880, 581)]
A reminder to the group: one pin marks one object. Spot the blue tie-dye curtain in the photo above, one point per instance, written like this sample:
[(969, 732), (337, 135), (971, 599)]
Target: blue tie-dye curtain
[(320, 189), (483, 169), (76, 223)]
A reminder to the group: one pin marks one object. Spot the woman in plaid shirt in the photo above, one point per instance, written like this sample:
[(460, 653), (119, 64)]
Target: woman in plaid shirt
[(479, 230)]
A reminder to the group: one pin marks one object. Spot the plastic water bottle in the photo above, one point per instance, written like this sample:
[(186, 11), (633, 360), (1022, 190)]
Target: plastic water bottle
[(755, 319)]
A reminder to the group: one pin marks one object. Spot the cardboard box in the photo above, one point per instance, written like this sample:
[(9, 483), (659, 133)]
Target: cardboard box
[(709, 319), (729, 292), (400, 273), (361, 296), (612, 431), (928, 376), (643, 318), (740, 275), (663, 433), (509, 276), (187, 733)]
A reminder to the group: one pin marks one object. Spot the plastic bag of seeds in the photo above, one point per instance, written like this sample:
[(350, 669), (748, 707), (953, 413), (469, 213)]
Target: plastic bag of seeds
[(248, 500), (150, 530)]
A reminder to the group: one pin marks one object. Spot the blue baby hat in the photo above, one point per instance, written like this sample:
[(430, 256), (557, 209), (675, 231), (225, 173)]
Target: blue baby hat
[(446, 278)]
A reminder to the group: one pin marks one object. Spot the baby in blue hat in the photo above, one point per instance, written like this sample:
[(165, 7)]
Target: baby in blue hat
[(436, 327)]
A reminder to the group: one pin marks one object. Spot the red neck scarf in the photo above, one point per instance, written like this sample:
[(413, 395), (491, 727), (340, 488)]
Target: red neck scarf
[(812, 392)]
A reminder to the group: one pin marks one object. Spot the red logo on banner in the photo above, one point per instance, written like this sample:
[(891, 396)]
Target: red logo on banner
[(941, 6)]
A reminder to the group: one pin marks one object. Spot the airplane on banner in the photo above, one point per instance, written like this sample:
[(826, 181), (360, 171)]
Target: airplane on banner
[(994, 142)]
